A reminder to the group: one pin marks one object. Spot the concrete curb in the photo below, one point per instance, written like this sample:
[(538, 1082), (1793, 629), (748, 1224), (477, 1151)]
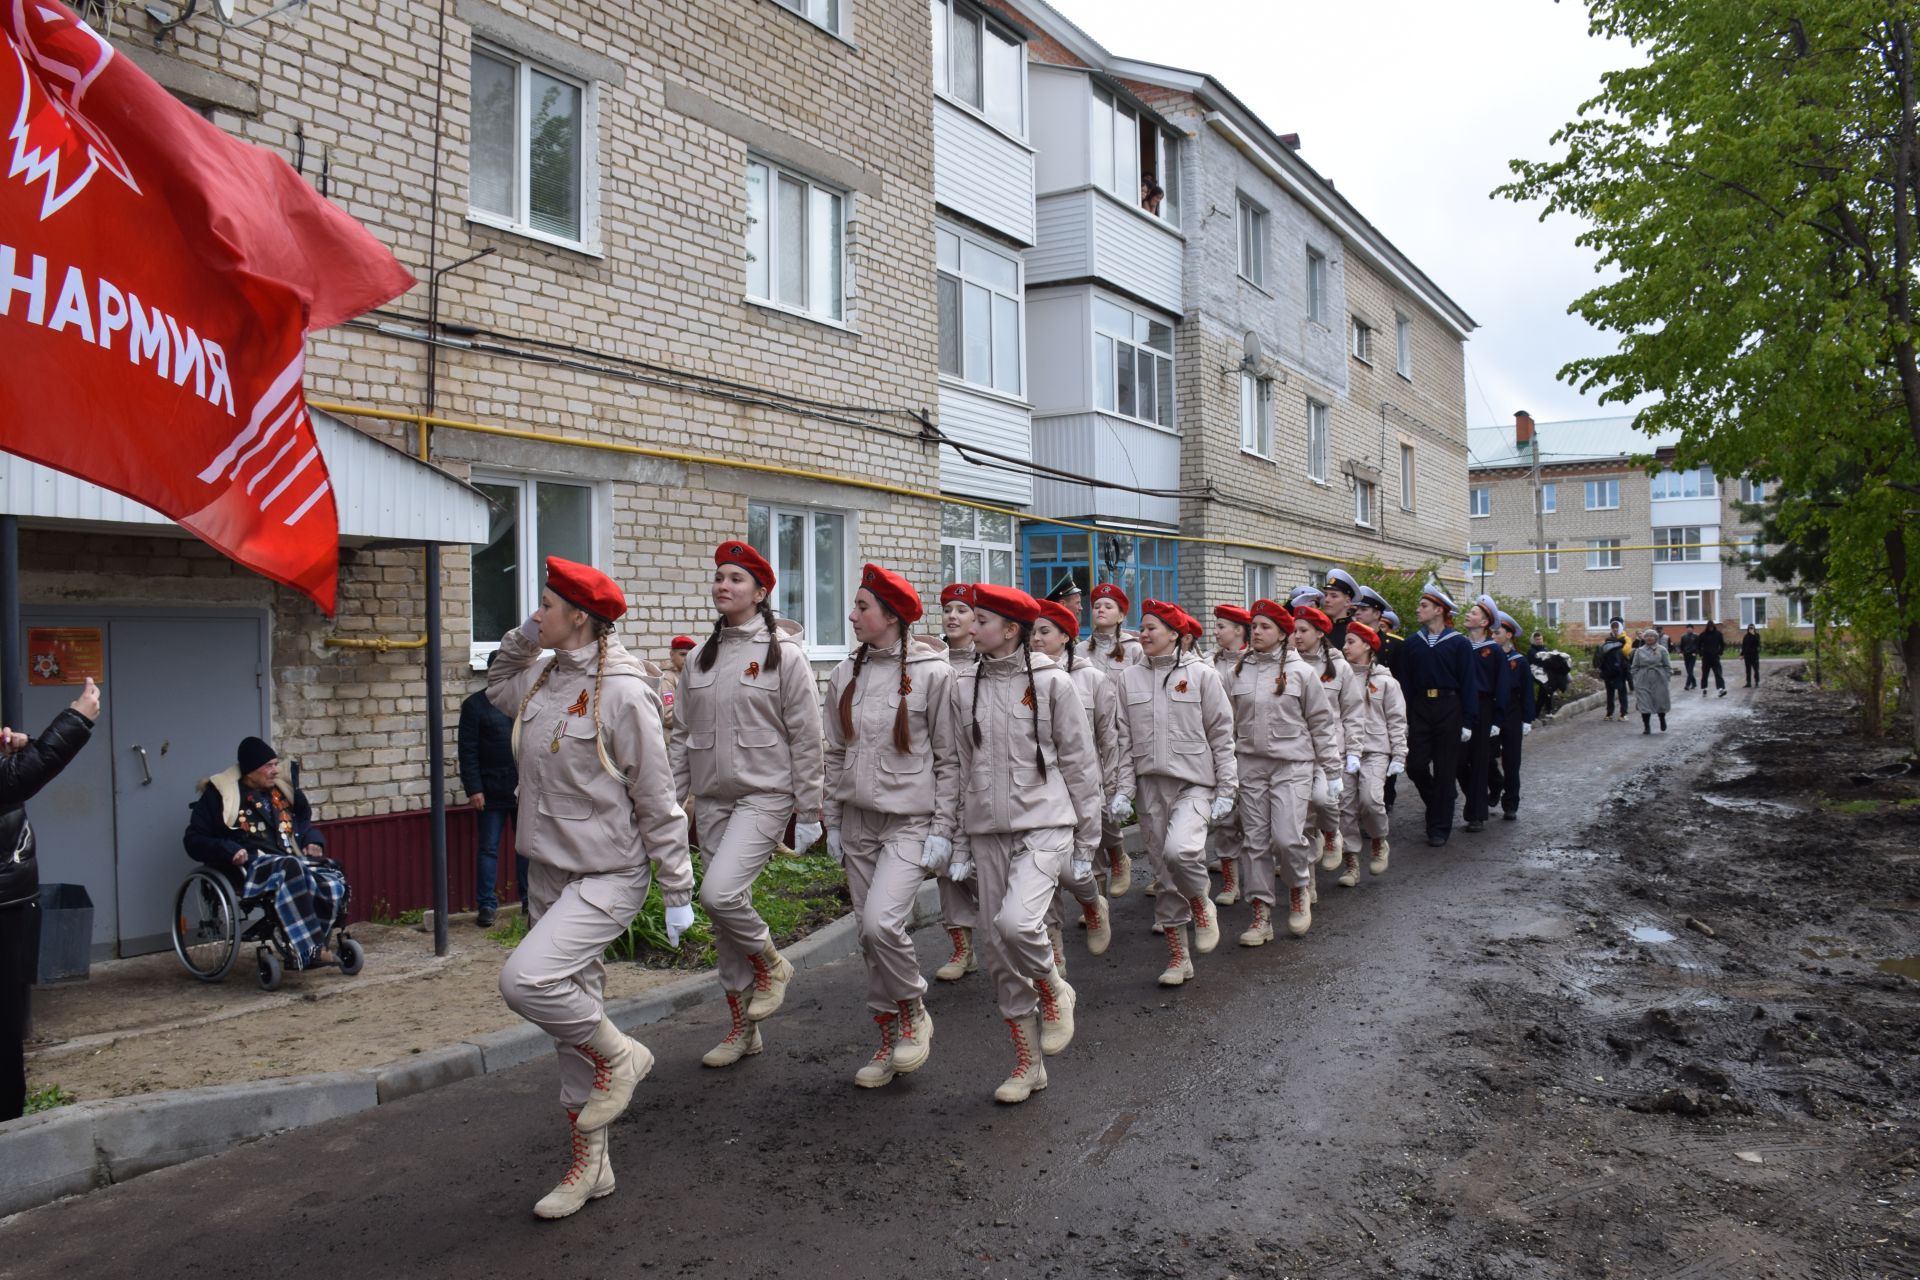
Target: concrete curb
[(95, 1144)]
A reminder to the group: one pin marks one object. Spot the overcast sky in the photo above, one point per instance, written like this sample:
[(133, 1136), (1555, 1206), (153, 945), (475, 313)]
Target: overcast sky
[(1413, 108)]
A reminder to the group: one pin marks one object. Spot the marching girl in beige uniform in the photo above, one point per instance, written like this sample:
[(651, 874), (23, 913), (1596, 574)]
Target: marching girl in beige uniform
[(597, 822), (1056, 634), (1030, 809), (746, 747), (892, 780), (1111, 648), (1376, 751), (959, 907), (1230, 626), (1284, 726), (1179, 730), (1311, 628)]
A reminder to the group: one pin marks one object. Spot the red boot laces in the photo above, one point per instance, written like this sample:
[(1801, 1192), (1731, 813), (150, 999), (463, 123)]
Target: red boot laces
[(602, 1069), (1297, 903), (1091, 910), (581, 1154), (1023, 1053), (1200, 917), (1049, 1000), (739, 1016), (904, 1029), (959, 955), (885, 1022), (762, 975)]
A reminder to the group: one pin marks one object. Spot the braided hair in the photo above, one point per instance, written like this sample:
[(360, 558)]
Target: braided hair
[(1033, 695), (1179, 647), (902, 734), (711, 649), (602, 631)]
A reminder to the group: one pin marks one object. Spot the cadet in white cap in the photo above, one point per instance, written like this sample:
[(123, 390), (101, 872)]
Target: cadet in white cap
[(1436, 674)]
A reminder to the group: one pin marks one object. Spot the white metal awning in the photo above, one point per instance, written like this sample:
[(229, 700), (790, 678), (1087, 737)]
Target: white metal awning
[(382, 494)]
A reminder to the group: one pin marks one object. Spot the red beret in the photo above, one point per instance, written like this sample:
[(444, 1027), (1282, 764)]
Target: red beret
[(747, 558), (1366, 633), (1166, 611), (586, 588), (1060, 616), (1233, 613), (961, 591), (1312, 616), (1274, 611), (893, 591), (1191, 625), (1107, 591), (683, 642), (1008, 602)]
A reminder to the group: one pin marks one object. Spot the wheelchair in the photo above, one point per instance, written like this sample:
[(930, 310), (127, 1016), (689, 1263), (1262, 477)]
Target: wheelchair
[(213, 922)]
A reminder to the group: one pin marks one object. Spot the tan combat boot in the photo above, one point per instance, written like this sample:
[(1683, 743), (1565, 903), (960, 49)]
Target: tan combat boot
[(1056, 1012), (589, 1174), (1153, 887), (1179, 964), (1329, 850), (619, 1063), (1229, 882), (963, 961), (771, 974), (912, 1036), (879, 1069), (1120, 872), (743, 1038), (1349, 869), (1029, 1070), (1299, 912), (1099, 918), (1058, 942), (1378, 866), (1206, 924), (1260, 932)]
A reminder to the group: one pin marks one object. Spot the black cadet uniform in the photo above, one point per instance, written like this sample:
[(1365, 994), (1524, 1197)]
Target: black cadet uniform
[(1436, 674), (1513, 714)]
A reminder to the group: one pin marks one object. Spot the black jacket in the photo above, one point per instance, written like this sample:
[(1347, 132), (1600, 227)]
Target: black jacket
[(486, 753), (1712, 643), (211, 841), (1750, 645), (1689, 644), (22, 774)]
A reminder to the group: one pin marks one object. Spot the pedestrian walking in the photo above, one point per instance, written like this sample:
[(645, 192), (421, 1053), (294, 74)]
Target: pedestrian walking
[(1436, 670), (1112, 647), (1179, 731), (1750, 657), (1652, 682), (746, 747), (1612, 663), (1376, 752), (27, 765), (1056, 633), (601, 823), (959, 907), (1479, 735), (892, 779), (1513, 716), (1689, 651), (1712, 645), (1285, 728), (1313, 641), (1371, 608), (677, 652), (1030, 809), (1230, 626), (492, 782), (1338, 598)]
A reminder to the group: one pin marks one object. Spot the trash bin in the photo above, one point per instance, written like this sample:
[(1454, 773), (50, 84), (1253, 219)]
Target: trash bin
[(66, 931)]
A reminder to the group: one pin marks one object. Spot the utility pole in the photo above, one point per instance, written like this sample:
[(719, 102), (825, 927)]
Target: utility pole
[(1539, 516)]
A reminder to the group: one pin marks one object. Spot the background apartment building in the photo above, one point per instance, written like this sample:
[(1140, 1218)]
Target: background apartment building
[(1626, 534)]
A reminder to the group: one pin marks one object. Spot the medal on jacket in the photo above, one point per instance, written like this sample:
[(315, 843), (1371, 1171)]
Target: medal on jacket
[(1181, 687), (753, 671)]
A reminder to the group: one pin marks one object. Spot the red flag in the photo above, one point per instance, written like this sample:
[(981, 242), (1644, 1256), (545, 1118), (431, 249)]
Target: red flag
[(157, 282)]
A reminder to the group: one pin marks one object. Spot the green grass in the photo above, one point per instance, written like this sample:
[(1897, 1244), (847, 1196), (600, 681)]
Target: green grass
[(47, 1097), (1853, 806)]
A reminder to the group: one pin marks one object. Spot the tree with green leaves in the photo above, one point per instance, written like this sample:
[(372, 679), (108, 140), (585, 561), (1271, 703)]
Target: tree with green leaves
[(1751, 189)]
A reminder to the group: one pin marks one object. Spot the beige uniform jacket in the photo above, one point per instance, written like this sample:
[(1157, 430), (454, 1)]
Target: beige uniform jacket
[(1298, 723), (867, 771), (1101, 647), (669, 694), (1179, 724), (742, 730), (1101, 699), (958, 655), (1382, 721), (1344, 691), (574, 814), (1001, 789)]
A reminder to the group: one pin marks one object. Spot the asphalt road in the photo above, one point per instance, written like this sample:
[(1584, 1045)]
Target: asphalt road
[(1204, 1131)]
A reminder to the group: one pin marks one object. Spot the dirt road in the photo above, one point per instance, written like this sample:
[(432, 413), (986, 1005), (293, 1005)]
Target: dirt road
[(1471, 1068)]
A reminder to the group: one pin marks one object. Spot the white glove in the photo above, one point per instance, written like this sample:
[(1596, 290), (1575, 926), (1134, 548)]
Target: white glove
[(960, 872), (833, 845), (1526, 728), (1395, 768), (679, 920), (1335, 787), (935, 853), (806, 835), (1222, 806), (1494, 732), (1466, 734), (1353, 763), (1120, 808), (1082, 869)]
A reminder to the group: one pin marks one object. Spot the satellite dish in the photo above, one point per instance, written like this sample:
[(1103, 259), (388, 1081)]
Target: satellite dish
[(225, 9), (1251, 351)]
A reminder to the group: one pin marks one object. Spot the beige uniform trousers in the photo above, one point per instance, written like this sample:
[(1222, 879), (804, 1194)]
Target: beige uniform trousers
[(1229, 843), (1018, 873), (556, 976), (1323, 813), (1273, 817), (1363, 809), (882, 860), (1173, 817), (737, 841), (959, 902)]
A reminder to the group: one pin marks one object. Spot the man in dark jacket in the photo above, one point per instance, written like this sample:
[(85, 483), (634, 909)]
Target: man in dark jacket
[(1611, 665), (1750, 656), (25, 767), (1689, 649), (1712, 645), (491, 780)]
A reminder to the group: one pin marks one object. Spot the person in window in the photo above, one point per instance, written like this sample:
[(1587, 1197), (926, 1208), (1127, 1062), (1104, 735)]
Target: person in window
[(1112, 647), (1056, 633), (746, 749), (1750, 656), (959, 908), (27, 765), (491, 781), (1712, 646), (1151, 196), (892, 794)]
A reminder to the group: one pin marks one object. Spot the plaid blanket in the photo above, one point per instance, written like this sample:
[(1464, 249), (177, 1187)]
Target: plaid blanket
[(308, 896)]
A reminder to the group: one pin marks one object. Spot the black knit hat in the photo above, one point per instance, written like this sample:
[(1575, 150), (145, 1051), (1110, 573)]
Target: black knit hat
[(253, 753)]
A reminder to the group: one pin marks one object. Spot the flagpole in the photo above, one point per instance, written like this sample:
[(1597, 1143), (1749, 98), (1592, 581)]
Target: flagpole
[(437, 750), (12, 695)]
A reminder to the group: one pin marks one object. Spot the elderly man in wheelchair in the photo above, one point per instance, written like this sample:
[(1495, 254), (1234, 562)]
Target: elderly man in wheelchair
[(252, 829)]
